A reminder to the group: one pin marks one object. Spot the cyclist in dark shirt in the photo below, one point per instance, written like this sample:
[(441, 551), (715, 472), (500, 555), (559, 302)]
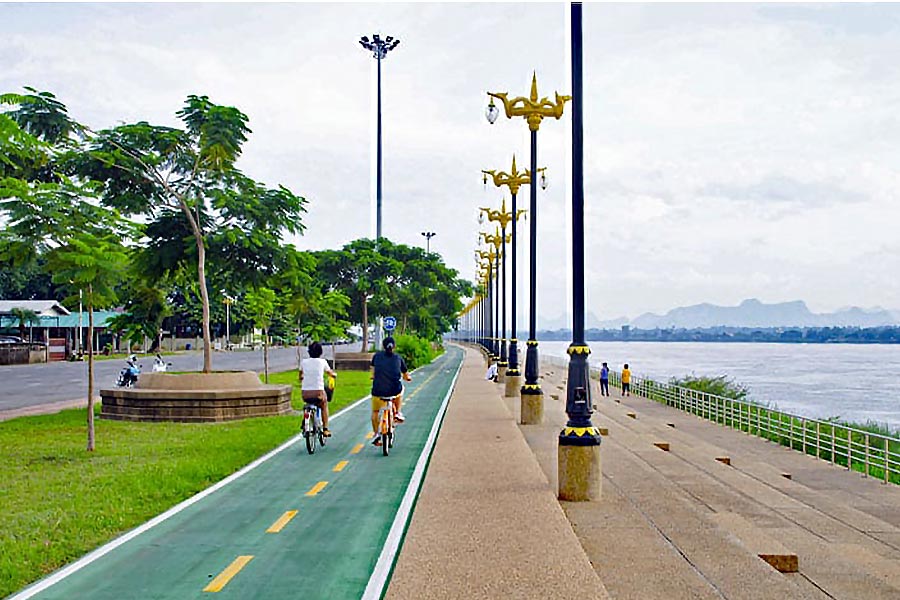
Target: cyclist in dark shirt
[(387, 369)]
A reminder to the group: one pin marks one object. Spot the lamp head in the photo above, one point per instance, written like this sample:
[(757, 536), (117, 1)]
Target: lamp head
[(543, 181), (492, 112)]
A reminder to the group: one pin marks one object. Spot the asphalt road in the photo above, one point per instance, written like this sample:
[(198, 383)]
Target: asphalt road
[(326, 526), (24, 386)]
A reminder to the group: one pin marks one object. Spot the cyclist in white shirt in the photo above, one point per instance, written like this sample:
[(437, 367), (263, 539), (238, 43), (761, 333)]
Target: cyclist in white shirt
[(312, 377)]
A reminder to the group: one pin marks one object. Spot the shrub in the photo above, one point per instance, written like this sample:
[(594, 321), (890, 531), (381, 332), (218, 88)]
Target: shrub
[(718, 386), (415, 351)]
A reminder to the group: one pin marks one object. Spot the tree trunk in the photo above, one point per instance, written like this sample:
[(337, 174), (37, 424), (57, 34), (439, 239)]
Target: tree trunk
[(266, 352), (365, 324), (90, 403), (204, 298)]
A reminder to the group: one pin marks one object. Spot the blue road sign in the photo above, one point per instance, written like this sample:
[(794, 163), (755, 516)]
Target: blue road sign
[(390, 323)]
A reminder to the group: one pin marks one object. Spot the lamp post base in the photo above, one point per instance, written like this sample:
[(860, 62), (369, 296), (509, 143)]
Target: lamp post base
[(579, 473), (532, 405), (513, 383), (501, 372)]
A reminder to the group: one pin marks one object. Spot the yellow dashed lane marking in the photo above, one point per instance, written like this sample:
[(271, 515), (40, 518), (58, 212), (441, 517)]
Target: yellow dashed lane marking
[(225, 576), (369, 435), (340, 466), (317, 488), (357, 448), (282, 521)]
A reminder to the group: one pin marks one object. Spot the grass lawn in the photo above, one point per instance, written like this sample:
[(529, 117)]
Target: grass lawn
[(59, 501)]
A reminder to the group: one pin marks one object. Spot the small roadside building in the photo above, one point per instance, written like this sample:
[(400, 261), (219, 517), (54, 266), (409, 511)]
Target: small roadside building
[(61, 331)]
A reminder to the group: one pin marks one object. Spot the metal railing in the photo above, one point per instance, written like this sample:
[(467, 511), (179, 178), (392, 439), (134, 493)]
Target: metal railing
[(872, 454)]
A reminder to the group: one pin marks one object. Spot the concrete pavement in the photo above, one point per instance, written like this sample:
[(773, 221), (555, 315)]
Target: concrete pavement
[(486, 524)]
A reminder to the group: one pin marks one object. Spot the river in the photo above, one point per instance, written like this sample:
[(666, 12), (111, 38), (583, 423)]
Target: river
[(853, 382)]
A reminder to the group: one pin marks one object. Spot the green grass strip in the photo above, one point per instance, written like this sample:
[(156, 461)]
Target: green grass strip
[(60, 501)]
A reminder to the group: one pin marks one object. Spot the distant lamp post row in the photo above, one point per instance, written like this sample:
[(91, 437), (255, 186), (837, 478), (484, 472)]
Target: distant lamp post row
[(499, 240), (534, 110), (513, 180)]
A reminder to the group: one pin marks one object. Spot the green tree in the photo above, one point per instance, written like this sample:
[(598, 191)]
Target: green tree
[(261, 304), (362, 272), (25, 317), (185, 185), (94, 264)]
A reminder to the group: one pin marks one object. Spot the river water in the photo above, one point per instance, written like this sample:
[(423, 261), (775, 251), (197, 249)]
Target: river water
[(854, 382)]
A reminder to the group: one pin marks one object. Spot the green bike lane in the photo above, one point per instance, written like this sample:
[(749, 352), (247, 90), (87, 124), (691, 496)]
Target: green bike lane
[(243, 540)]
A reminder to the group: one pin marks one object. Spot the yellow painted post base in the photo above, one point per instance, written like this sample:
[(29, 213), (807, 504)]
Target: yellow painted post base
[(579, 473), (513, 384), (501, 374), (532, 409)]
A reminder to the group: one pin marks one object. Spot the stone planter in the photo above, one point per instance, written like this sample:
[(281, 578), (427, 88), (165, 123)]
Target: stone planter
[(195, 397)]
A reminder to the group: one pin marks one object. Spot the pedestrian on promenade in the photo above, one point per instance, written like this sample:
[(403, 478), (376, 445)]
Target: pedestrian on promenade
[(604, 380), (312, 378), (626, 381), (492, 373)]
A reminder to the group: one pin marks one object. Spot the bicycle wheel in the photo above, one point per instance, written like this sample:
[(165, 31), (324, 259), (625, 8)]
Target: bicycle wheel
[(385, 440), (309, 433)]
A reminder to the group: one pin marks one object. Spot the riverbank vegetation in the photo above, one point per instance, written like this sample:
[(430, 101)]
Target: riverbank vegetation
[(864, 448)]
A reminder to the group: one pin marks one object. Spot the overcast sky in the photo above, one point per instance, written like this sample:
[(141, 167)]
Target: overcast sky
[(731, 151)]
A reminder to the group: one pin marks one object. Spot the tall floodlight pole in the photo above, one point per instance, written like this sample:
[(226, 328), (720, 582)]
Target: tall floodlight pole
[(533, 110), (379, 48), (428, 235), (579, 442)]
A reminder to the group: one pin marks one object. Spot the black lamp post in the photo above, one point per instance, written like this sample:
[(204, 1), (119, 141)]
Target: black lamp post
[(428, 235), (533, 110), (379, 48), (579, 442)]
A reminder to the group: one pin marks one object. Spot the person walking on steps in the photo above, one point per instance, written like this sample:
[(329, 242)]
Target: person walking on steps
[(387, 369), (626, 381), (604, 380), (312, 378)]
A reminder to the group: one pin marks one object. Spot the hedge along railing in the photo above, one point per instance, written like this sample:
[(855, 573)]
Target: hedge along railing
[(872, 454)]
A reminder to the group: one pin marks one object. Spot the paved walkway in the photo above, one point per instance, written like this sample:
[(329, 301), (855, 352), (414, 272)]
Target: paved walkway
[(487, 523), (681, 524)]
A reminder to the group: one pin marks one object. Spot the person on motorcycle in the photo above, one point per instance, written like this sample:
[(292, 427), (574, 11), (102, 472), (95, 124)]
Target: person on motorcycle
[(387, 369), (312, 377)]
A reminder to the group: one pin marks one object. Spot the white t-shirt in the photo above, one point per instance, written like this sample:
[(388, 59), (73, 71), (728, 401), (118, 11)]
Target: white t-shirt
[(313, 373)]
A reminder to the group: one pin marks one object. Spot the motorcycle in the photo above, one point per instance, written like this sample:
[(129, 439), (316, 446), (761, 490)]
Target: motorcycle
[(128, 376), (159, 365)]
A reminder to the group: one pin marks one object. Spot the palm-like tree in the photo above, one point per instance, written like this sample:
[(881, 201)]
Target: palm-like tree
[(26, 317)]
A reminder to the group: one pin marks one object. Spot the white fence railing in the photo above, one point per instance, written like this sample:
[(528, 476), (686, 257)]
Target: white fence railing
[(872, 454)]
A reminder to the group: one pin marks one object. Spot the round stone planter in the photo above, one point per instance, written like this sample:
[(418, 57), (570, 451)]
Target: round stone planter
[(196, 398)]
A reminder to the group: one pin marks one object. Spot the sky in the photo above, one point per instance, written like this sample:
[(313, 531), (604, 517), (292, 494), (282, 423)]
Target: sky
[(731, 151)]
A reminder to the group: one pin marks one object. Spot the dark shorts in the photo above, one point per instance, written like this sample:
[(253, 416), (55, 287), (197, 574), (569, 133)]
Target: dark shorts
[(626, 387)]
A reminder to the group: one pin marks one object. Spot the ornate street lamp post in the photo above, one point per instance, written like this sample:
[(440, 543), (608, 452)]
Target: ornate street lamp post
[(533, 110), (489, 256), (499, 242), (579, 443), (513, 180)]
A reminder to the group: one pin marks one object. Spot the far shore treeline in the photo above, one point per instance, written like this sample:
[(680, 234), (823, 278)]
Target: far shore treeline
[(785, 335)]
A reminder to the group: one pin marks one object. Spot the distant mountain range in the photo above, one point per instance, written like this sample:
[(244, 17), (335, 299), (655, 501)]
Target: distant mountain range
[(749, 313)]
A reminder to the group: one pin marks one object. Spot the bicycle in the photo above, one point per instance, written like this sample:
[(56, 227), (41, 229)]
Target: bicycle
[(386, 423), (313, 431)]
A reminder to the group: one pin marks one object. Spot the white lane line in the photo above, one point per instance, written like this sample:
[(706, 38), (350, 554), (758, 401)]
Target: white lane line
[(385, 564), (84, 561)]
